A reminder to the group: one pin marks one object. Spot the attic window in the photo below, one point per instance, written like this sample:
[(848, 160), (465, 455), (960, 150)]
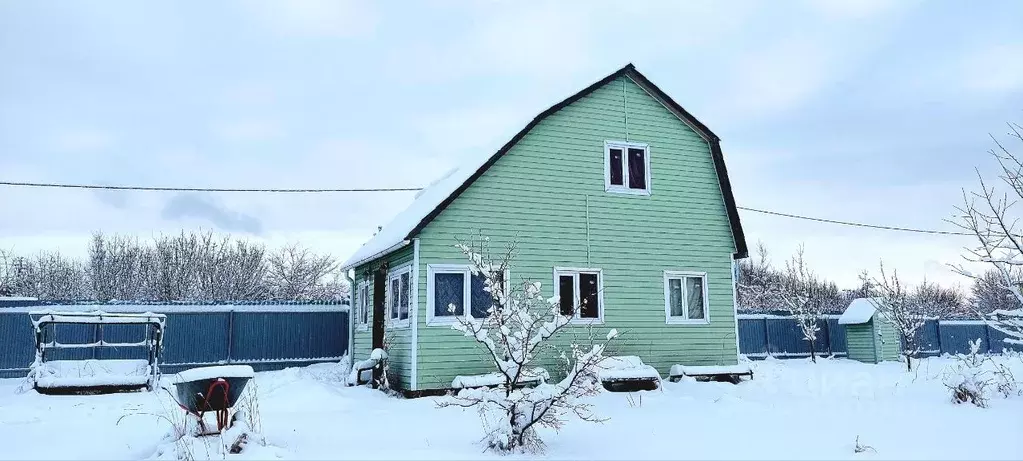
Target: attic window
[(627, 168)]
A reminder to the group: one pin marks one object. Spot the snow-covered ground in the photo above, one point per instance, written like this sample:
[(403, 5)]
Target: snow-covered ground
[(792, 409)]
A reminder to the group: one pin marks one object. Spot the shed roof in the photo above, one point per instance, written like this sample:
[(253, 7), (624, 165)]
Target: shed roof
[(431, 201), (860, 310)]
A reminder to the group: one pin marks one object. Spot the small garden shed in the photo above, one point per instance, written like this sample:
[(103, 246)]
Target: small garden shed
[(869, 336)]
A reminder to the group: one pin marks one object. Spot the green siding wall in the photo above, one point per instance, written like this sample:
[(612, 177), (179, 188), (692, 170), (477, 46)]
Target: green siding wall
[(397, 340), (547, 195), (887, 340), (860, 342)]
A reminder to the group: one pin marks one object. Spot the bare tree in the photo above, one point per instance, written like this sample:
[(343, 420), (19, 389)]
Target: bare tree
[(938, 302), (518, 324), (806, 298), (295, 272), (988, 296), (759, 284), (6, 273), (896, 305), (991, 218)]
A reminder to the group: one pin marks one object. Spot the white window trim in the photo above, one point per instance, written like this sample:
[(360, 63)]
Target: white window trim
[(447, 320), (395, 274), (625, 145), (685, 320), (359, 324), (575, 271)]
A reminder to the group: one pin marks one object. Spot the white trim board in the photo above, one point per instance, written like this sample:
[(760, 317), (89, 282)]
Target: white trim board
[(574, 272)]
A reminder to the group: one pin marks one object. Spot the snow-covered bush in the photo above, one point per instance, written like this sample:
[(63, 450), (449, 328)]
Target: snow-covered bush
[(518, 324), (975, 377), (968, 380)]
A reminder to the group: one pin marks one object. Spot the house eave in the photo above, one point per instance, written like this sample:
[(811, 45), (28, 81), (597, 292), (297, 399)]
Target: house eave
[(377, 255)]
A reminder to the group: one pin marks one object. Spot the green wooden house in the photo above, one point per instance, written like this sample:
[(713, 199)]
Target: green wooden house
[(869, 336), (616, 195)]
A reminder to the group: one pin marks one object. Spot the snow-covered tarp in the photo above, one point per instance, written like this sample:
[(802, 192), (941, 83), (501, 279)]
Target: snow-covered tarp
[(626, 367), (535, 375), (91, 373), (705, 370), (860, 310), (222, 371), (96, 317)]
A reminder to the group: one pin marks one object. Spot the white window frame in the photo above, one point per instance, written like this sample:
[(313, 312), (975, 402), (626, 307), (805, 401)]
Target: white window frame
[(574, 272), (625, 146), (432, 269), (359, 307), (684, 319), (395, 274)]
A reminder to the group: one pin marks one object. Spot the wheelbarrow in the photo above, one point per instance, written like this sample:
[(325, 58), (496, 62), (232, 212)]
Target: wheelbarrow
[(211, 389)]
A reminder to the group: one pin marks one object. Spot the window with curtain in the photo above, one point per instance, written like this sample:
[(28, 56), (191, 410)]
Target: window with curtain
[(627, 167), (685, 297), (399, 295), (455, 284), (579, 294)]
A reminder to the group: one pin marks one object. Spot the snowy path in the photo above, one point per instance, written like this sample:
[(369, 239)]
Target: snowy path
[(793, 410)]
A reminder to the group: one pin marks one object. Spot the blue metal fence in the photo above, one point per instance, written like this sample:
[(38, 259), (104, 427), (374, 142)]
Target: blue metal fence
[(780, 336), (265, 337)]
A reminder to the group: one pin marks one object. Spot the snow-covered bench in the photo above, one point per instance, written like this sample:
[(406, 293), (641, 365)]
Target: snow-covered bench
[(729, 373), (530, 377), (362, 371), (627, 373)]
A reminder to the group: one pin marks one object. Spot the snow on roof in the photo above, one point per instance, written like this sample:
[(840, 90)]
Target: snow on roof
[(393, 235), (17, 298), (860, 310)]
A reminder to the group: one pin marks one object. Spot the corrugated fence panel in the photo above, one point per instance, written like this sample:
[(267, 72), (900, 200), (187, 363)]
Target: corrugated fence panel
[(265, 338), (836, 338), (997, 345), (123, 334), (752, 337), (17, 344), (196, 338), (273, 340), (956, 337), (927, 339)]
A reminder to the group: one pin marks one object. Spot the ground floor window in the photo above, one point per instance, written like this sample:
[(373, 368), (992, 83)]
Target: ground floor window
[(685, 297), (580, 293), (362, 305), (452, 287), (398, 295)]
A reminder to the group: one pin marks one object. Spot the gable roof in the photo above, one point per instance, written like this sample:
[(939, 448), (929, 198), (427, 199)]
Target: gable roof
[(431, 201), (860, 311)]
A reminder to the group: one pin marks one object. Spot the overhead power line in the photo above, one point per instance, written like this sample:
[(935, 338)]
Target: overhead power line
[(854, 224), (415, 189), (204, 189)]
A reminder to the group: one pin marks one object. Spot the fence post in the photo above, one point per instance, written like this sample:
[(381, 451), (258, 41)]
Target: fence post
[(767, 338), (937, 327), (987, 337), (827, 336), (230, 332)]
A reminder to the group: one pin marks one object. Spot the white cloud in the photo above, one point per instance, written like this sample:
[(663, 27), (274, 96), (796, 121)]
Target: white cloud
[(82, 140), (316, 18), (777, 77), (248, 130), (997, 69)]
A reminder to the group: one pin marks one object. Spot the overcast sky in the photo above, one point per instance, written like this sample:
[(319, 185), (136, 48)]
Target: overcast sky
[(863, 111)]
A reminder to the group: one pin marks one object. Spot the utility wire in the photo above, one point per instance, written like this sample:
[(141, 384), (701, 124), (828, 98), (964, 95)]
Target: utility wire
[(204, 189), (854, 224), (414, 189)]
